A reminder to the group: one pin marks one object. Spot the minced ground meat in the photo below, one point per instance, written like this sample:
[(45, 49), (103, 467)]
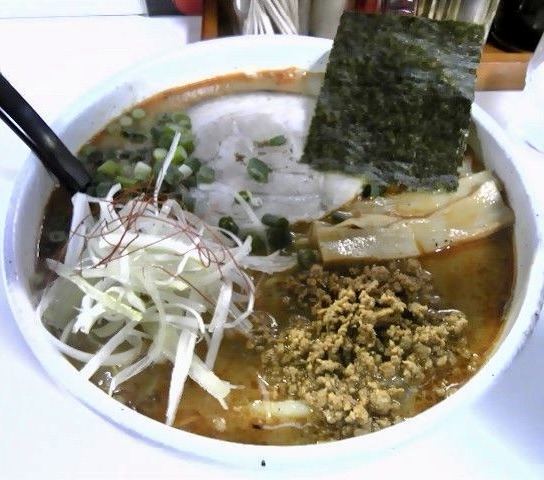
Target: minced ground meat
[(368, 340)]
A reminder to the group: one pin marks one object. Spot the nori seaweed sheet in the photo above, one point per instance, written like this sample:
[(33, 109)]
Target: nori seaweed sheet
[(396, 99)]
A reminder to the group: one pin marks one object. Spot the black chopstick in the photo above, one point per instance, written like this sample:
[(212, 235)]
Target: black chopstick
[(38, 136)]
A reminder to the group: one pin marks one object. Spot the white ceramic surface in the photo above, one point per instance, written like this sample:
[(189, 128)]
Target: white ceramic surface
[(210, 59)]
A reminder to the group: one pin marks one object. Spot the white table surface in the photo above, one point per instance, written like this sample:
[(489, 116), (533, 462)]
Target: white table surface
[(45, 433)]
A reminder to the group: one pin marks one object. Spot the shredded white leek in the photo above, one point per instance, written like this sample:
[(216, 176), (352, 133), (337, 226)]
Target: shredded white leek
[(210, 382), (94, 363), (147, 282), (284, 409), (182, 364), (164, 168)]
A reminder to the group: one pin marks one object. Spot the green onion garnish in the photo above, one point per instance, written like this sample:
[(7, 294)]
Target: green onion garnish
[(180, 155), (274, 221), (278, 237), (227, 223), (193, 163), (103, 188), (159, 154), (305, 258), (133, 135), (205, 175), (138, 113), (246, 195), (110, 168), (126, 181), (125, 121), (258, 170), (276, 141), (182, 119), (142, 171)]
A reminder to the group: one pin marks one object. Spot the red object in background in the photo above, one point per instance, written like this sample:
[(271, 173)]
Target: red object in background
[(382, 6), (189, 7), (367, 6)]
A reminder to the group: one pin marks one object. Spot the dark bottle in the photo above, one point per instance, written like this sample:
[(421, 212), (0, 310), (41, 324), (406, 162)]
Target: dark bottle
[(518, 25)]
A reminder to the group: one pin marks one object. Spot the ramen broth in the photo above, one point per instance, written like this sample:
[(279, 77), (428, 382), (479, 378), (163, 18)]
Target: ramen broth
[(474, 277)]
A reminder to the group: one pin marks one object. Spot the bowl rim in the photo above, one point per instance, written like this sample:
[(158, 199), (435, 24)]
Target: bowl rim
[(230, 453)]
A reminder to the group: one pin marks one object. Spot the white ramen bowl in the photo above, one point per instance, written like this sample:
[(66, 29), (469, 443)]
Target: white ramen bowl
[(206, 60)]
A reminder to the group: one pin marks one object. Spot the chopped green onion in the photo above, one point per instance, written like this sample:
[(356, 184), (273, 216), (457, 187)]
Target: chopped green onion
[(306, 258), (122, 154), (139, 156), (258, 170), (163, 118), (87, 149), (258, 246), (189, 182), (246, 195), (173, 177), (276, 141), (95, 157), (339, 216), (278, 237), (138, 113), (164, 130), (180, 155), (126, 181), (274, 221), (110, 168), (133, 135), (125, 121), (173, 127), (182, 119), (157, 167), (103, 188), (159, 154), (185, 170), (187, 141), (113, 128), (255, 202), (166, 135), (127, 169), (371, 190), (189, 202), (227, 223), (194, 164), (205, 175), (142, 171)]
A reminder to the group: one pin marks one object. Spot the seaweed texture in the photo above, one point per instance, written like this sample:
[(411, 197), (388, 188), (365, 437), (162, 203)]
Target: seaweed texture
[(396, 99)]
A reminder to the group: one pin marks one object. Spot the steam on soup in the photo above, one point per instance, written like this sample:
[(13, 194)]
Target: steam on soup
[(211, 281)]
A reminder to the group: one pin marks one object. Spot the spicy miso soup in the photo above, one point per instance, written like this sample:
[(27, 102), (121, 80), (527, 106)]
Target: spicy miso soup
[(212, 281)]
